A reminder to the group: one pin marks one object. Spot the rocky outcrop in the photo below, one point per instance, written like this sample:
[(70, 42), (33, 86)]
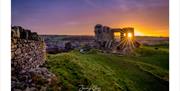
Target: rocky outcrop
[(28, 53)]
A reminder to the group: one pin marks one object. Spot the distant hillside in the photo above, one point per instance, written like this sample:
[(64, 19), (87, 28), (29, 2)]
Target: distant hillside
[(85, 37), (153, 41), (68, 37), (145, 40)]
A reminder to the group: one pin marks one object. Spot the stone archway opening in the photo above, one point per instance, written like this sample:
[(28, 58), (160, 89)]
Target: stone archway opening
[(117, 36)]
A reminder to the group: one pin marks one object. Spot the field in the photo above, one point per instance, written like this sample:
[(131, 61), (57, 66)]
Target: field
[(146, 70)]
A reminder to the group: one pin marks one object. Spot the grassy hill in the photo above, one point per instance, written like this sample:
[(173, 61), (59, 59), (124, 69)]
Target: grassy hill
[(147, 70)]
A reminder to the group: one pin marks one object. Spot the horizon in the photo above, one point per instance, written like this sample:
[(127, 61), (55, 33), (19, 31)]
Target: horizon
[(93, 35), (149, 18)]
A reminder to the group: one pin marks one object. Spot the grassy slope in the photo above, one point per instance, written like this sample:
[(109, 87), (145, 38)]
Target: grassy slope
[(147, 71)]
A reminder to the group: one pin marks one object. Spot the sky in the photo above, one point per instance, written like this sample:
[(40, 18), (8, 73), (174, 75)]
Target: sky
[(78, 17)]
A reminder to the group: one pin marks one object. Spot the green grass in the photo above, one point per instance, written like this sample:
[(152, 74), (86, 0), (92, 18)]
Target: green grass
[(147, 70)]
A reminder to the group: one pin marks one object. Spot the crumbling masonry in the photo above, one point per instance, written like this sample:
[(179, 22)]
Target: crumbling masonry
[(115, 40)]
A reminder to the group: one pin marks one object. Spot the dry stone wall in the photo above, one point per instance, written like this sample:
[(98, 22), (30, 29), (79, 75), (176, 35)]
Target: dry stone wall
[(27, 49), (28, 55)]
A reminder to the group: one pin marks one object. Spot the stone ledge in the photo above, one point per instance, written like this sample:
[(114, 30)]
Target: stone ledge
[(21, 33)]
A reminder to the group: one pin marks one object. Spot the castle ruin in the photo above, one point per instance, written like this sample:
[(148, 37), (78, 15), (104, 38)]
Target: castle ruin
[(115, 40)]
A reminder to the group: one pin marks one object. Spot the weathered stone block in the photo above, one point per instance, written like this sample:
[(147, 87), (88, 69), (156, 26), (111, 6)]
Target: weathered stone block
[(18, 51), (34, 36), (18, 31)]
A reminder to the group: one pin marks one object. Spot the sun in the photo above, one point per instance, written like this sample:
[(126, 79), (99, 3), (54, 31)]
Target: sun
[(129, 35)]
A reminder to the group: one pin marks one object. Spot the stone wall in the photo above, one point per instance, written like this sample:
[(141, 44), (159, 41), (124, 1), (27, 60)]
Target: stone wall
[(28, 55), (27, 49), (103, 33)]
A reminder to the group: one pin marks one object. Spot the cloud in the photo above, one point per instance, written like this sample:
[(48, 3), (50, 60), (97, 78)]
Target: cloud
[(91, 3)]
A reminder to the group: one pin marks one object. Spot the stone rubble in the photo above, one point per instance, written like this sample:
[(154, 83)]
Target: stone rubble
[(38, 79)]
